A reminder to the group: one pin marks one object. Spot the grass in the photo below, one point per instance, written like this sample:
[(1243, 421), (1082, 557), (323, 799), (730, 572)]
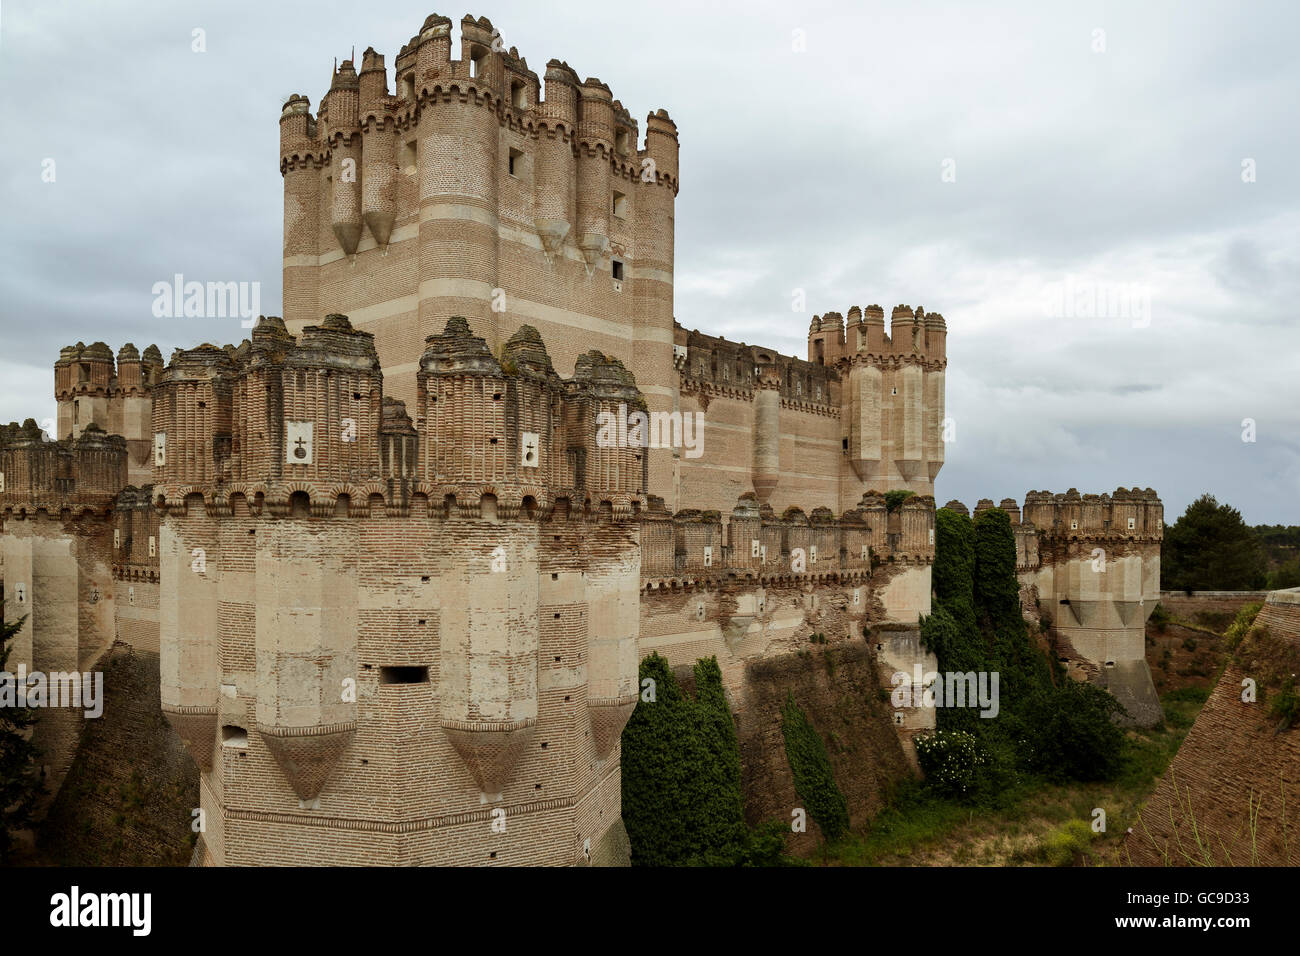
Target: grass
[(1038, 823)]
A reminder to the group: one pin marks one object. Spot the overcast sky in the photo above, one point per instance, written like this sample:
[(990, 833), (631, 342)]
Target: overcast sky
[(975, 159)]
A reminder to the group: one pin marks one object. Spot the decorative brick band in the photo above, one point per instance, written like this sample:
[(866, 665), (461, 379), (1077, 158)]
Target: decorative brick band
[(320, 730), (497, 726)]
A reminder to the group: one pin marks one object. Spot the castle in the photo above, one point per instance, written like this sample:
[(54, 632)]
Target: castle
[(398, 578)]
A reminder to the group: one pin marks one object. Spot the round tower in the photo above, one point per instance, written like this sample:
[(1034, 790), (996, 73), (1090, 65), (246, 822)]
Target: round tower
[(595, 187), (379, 145), (458, 198), (343, 135), (555, 173), (767, 431), (874, 320), (83, 383), (301, 157)]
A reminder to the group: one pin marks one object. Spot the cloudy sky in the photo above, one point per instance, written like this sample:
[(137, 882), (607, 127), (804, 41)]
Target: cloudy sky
[(1102, 199)]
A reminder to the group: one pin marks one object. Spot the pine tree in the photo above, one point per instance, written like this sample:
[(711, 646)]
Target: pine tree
[(1210, 548), (20, 782)]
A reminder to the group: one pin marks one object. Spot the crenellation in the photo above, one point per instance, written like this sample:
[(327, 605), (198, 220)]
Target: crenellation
[(1089, 569)]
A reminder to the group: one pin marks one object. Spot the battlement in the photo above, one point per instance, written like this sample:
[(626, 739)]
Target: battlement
[(90, 371), (360, 123), (303, 425), (76, 475), (94, 390), (914, 337), (752, 545), (1128, 513), (715, 364)]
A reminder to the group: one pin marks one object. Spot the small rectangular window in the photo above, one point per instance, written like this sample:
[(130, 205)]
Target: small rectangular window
[(515, 157), (618, 270), (620, 205), (403, 675)]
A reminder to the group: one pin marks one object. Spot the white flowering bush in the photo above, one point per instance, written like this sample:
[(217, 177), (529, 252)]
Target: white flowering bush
[(952, 760)]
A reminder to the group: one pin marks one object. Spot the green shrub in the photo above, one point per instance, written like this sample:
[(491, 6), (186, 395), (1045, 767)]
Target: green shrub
[(1238, 628), (952, 761), (1159, 618), (1284, 704), (814, 780), (1077, 737), (1066, 846), (896, 497)]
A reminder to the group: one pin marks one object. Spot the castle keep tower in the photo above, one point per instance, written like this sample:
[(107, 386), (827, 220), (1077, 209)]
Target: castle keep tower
[(467, 191), (892, 397), (397, 641)]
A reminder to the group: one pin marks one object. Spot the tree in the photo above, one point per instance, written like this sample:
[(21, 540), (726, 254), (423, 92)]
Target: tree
[(682, 799), (20, 782), (1286, 576), (1210, 548)]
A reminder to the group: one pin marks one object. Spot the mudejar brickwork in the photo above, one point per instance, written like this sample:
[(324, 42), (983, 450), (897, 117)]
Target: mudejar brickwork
[(398, 583)]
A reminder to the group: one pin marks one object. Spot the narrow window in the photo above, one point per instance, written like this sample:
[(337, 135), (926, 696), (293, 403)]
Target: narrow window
[(620, 205), (517, 98), (618, 271), (404, 675), (515, 157), (408, 86)]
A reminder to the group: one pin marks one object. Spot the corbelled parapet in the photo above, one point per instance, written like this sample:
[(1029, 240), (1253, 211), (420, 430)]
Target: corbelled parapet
[(718, 366), (76, 475), (84, 370), (1126, 513), (281, 416), (582, 141), (790, 548)]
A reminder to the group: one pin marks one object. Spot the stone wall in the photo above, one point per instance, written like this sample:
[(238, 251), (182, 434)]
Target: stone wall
[(840, 688), (1231, 795), (130, 795)]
